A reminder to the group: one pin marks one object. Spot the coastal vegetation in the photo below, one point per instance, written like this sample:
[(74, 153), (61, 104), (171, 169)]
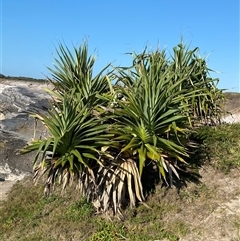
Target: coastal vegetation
[(118, 141), (104, 135)]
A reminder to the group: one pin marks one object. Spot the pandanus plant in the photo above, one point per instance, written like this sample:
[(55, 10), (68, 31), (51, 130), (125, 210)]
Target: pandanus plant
[(154, 117), (102, 135), (206, 107), (73, 148), (150, 124), (76, 129)]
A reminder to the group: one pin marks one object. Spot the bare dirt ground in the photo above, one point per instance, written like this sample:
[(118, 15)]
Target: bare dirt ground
[(215, 214), (7, 181), (5, 187)]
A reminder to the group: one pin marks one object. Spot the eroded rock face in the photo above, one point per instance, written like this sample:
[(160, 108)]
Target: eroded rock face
[(17, 98), (16, 101), (232, 105)]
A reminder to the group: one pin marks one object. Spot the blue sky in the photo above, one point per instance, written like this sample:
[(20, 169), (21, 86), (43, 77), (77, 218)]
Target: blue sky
[(30, 30)]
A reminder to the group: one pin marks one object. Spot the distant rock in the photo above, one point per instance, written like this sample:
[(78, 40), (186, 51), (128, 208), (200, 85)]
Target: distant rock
[(232, 106), (2, 76)]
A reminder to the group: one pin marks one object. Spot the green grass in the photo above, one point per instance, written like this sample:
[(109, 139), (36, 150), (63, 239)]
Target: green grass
[(221, 145), (27, 215)]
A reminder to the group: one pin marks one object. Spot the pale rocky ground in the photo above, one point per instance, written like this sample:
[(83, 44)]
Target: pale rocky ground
[(217, 220), (17, 128), (233, 106)]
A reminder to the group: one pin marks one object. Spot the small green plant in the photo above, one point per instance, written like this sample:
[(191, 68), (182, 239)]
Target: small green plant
[(108, 231), (79, 210)]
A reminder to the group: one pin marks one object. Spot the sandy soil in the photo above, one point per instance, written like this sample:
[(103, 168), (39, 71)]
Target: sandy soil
[(217, 216), (7, 180), (5, 187)]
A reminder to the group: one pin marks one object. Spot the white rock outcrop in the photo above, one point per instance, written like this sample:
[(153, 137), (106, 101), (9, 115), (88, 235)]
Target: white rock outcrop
[(16, 127)]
